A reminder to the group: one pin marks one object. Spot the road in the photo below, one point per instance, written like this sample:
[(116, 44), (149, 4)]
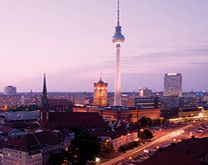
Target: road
[(173, 133)]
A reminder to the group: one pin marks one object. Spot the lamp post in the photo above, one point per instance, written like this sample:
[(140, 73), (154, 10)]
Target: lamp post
[(140, 133)]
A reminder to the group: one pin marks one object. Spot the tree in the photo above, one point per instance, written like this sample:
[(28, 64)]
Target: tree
[(84, 147), (106, 147), (56, 159), (59, 158), (145, 134), (145, 121), (148, 134)]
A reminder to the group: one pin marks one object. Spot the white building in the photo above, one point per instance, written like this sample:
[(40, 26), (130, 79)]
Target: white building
[(124, 139), (10, 90), (173, 84), (17, 157), (145, 92)]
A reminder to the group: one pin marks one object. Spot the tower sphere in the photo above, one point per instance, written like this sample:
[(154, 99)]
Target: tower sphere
[(118, 37)]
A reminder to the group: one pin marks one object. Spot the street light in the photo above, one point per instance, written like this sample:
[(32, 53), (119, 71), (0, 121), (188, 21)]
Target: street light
[(140, 133), (97, 160), (190, 134)]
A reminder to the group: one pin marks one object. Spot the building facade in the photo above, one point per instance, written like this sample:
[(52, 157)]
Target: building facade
[(125, 115), (31, 148), (173, 84), (15, 156), (145, 92), (150, 102), (10, 90), (100, 94), (124, 139), (21, 115)]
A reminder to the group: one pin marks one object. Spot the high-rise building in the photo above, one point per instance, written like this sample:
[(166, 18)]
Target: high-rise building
[(172, 84), (117, 39), (10, 90), (100, 93)]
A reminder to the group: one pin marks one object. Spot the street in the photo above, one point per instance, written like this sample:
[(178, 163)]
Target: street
[(164, 138)]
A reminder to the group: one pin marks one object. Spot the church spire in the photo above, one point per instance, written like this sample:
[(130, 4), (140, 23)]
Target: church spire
[(44, 94), (44, 84), (101, 80)]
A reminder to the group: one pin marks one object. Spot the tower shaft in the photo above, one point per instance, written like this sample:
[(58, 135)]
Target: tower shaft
[(117, 92)]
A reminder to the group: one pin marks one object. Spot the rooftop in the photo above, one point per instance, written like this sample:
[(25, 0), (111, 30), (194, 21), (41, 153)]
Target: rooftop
[(187, 152), (32, 141), (76, 120)]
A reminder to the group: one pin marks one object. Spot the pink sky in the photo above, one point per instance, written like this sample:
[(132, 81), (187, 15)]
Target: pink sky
[(71, 41)]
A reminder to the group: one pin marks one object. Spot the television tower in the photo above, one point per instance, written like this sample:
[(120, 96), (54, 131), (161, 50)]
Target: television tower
[(117, 39)]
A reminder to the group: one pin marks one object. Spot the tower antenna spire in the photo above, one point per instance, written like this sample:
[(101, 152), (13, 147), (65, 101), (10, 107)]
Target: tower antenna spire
[(118, 16)]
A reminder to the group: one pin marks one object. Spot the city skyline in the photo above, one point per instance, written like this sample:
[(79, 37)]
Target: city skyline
[(71, 42)]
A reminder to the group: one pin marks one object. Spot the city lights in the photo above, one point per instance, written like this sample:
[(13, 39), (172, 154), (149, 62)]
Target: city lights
[(104, 101)]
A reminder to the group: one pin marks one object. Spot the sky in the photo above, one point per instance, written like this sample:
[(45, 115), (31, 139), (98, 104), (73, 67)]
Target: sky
[(71, 40)]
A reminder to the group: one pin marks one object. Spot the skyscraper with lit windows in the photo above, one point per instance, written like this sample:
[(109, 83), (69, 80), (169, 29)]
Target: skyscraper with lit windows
[(173, 84)]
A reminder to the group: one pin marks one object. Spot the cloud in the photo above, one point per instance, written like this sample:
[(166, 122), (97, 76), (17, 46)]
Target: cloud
[(173, 54), (200, 50), (199, 64), (158, 62), (137, 71), (177, 58)]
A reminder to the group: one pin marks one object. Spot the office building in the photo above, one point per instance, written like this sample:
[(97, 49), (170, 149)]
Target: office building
[(10, 90), (145, 92), (188, 102), (173, 84), (170, 106), (147, 102), (144, 102)]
